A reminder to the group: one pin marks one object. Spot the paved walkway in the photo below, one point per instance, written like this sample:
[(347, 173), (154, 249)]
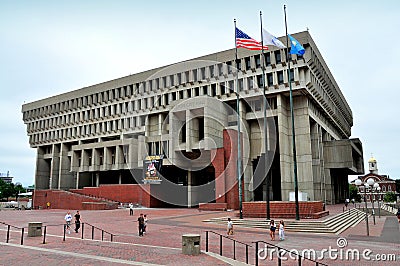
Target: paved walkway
[(162, 243)]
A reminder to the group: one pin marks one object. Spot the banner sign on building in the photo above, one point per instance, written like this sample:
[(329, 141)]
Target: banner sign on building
[(151, 169)]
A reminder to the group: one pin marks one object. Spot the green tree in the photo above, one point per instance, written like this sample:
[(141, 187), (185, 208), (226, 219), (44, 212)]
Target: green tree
[(18, 189), (354, 193), (7, 190), (389, 197)]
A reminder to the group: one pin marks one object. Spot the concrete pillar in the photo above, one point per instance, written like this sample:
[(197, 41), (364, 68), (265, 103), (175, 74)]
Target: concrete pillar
[(97, 179), (189, 188), (77, 180)]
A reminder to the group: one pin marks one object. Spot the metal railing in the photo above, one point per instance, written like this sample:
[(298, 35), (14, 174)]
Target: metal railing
[(229, 239), (93, 229), (280, 251), (9, 226)]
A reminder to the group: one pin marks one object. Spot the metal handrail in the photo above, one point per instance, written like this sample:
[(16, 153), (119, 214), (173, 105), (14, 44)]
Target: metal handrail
[(299, 257), (8, 232), (234, 245), (102, 232)]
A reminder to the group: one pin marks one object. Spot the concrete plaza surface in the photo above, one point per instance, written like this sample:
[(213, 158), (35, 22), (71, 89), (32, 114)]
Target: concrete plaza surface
[(162, 244)]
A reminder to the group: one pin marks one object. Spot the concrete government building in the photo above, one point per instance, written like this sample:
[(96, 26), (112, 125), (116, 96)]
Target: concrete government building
[(185, 115)]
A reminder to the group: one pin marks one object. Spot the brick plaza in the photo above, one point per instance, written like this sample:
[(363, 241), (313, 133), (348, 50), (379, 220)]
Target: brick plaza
[(161, 245)]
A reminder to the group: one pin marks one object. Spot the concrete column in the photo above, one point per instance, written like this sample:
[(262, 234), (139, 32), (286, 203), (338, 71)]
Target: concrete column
[(189, 190), (120, 179), (77, 180), (55, 167), (248, 182), (42, 171), (97, 179)]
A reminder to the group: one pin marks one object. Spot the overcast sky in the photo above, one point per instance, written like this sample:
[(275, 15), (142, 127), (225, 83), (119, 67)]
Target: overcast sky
[(52, 47)]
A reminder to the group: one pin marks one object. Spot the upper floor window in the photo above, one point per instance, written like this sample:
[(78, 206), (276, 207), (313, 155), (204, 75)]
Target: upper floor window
[(278, 57), (258, 61), (280, 77), (248, 63), (270, 79)]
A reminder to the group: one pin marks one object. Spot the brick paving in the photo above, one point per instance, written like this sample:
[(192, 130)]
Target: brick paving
[(162, 243)]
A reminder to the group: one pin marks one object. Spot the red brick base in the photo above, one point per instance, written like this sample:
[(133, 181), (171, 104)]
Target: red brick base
[(213, 206), (284, 209)]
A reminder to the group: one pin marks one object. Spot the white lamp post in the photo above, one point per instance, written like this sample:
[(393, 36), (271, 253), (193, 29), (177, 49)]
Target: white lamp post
[(358, 183), (371, 183), (377, 189)]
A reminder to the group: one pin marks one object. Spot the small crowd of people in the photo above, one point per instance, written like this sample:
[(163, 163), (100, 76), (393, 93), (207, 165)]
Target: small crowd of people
[(142, 220), (272, 229), (68, 220), (280, 227)]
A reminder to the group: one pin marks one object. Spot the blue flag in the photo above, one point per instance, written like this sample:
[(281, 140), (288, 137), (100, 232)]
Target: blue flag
[(296, 47)]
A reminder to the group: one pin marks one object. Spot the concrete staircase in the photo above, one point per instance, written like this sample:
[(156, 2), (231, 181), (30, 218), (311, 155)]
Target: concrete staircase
[(332, 225)]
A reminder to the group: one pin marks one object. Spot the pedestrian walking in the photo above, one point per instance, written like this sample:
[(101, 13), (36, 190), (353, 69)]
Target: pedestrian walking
[(272, 228), (48, 205), (141, 224), (346, 203), (77, 221), (130, 208), (398, 215), (230, 227), (281, 231), (145, 224), (68, 219)]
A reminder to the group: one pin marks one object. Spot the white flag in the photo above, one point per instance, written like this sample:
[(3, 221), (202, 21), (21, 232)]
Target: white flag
[(269, 39)]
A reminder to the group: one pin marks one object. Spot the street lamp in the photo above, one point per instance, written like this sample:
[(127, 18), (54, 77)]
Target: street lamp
[(358, 183), (378, 193), (371, 183)]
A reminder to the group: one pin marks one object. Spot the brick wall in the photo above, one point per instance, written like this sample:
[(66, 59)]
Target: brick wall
[(125, 193), (60, 199), (284, 209), (213, 206)]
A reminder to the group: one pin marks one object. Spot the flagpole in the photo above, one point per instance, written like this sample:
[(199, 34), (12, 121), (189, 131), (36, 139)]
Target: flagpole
[(296, 189), (239, 156), (265, 123)]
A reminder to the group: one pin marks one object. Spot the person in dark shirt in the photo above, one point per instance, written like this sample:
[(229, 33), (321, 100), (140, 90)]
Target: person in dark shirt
[(77, 221), (141, 224)]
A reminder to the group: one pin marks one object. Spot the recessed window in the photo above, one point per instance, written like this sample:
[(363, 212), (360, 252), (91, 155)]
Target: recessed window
[(205, 90), (258, 61), (267, 59), (291, 75), (240, 85), (248, 63), (278, 57), (280, 77), (259, 81), (220, 70), (212, 71), (201, 128), (239, 64), (183, 133), (229, 64)]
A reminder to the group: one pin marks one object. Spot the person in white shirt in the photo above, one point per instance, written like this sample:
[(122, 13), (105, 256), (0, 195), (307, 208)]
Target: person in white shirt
[(230, 227), (68, 219), (281, 231), (131, 209)]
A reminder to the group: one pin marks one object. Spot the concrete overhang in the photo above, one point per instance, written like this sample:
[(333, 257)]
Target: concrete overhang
[(344, 154)]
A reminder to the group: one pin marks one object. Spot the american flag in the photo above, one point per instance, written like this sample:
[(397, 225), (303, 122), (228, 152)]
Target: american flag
[(245, 41)]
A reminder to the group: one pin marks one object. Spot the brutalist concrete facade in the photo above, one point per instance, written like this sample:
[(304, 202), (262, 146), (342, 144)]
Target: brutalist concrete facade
[(100, 134)]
